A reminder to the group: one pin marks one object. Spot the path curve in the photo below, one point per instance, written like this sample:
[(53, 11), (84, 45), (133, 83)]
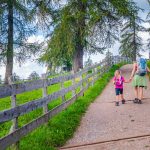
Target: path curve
[(104, 121)]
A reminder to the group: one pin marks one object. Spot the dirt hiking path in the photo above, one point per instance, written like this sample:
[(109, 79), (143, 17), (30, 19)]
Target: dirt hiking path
[(104, 121)]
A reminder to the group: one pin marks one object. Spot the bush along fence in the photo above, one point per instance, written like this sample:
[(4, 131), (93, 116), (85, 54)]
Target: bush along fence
[(87, 77)]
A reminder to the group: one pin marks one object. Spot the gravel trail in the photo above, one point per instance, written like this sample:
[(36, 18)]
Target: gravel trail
[(104, 121)]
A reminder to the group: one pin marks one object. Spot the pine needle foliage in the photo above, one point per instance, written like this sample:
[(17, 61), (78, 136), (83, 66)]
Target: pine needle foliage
[(86, 26), (19, 20), (131, 42)]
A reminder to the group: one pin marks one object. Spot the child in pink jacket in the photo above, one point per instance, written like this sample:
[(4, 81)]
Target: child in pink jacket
[(118, 81)]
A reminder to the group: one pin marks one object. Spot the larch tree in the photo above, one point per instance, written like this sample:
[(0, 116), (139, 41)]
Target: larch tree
[(34, 76), (131, 42), (14, 32), (86, 26), (19, 19)]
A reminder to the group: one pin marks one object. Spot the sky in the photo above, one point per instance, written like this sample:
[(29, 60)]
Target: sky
[(31, 66)]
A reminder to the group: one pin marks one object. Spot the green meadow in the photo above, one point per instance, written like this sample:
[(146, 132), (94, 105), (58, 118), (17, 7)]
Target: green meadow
[(59, 129)]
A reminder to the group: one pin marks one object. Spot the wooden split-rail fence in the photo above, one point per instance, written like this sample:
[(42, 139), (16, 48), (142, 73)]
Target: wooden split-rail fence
[(93, 73)]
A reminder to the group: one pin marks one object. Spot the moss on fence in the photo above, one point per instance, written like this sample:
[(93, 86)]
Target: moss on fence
[(61, 127)]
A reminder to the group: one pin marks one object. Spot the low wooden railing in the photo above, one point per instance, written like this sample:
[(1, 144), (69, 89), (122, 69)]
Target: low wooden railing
[(15, 111)]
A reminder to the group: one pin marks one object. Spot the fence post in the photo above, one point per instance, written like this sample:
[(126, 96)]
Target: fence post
[(44, 92), (95, 74), (115, 60), (87, 80), (14, 126), (111, 61), (119, 59), (73, 82), (104, 67), (99, 69), (108, 64), (62, 87), (127, 60), (93, 71), (81, 81)]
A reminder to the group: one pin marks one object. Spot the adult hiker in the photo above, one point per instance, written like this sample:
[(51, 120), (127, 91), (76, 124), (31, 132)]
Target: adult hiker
[(139, 81)]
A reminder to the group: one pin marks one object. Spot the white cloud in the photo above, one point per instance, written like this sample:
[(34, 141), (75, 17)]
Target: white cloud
[(25, 69), (35, 38), (144, 36), (95, 57)]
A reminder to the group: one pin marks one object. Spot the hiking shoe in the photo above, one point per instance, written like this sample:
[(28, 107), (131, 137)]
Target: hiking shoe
[(135, 100), (123, 101), (117, 103), (139, 101)]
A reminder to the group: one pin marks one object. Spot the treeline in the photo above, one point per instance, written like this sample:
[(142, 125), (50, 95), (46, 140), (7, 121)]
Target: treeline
[(71, 30), (17, 79)]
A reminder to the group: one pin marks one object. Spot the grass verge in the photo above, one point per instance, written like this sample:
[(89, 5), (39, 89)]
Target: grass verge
[(62, 127)]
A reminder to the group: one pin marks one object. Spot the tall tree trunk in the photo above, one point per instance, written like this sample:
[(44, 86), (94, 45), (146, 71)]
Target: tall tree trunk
[(80, 35), (134, 46), (9, 62), (78, 58), (49, 68)]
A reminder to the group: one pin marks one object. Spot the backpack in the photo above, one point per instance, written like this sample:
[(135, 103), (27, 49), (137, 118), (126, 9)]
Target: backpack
[(141, 67), (119, 81)]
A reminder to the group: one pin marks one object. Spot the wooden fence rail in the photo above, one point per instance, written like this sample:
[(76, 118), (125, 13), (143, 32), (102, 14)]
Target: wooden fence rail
[(12, 90)]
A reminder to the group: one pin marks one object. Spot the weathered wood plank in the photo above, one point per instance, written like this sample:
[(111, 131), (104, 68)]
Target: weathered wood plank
[(93, 71), (6, 90), (21, 132), (70, 76), (9, 114), (20, 88), (52, 81), (74, 90)]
